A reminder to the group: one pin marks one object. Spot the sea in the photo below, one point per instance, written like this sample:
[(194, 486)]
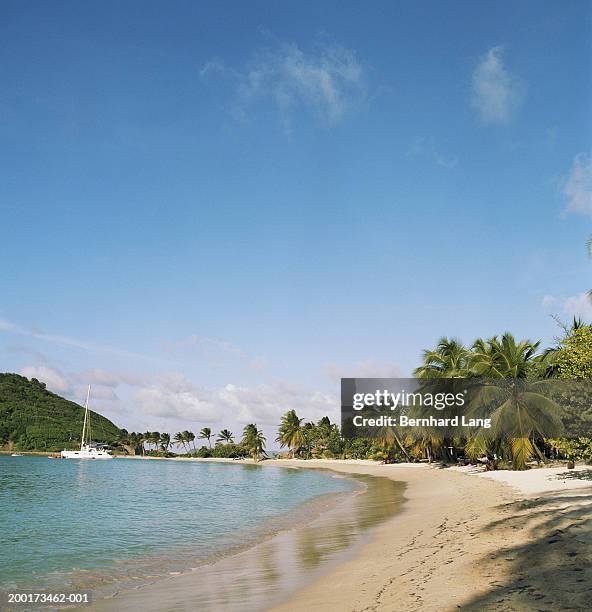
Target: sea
[(110, 526)]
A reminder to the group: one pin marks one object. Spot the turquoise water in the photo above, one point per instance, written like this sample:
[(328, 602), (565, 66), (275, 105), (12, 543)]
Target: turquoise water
[(95, 523)]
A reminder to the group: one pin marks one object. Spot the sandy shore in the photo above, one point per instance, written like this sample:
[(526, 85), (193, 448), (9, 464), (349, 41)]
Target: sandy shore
[(469, 542), (464, 540)]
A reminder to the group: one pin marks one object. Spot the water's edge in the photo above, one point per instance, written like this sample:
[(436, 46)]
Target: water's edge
[(323, 532)]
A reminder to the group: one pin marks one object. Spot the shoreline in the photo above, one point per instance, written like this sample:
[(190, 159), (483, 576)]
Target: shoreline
[(462, 539), (275, 567), (472, 542)]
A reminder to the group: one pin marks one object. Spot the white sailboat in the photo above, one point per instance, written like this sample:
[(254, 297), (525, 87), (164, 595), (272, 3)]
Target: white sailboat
[(87, 450)]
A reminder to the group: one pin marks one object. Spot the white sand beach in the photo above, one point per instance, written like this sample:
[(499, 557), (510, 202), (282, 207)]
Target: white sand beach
[(471, 542)]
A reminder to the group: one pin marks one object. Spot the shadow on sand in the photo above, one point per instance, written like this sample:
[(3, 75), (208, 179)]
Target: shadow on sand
[(554, 570)]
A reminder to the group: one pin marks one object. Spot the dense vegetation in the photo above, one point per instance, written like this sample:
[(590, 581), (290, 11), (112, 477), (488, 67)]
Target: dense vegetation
[(33, 418), (157, 444)]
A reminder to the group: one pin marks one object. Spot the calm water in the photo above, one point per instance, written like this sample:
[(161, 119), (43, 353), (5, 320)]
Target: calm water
[(95, 524)]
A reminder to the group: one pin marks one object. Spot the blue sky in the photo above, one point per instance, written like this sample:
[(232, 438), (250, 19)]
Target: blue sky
[(213, 211)]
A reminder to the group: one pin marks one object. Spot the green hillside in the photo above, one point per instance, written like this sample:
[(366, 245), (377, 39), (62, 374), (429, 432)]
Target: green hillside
[(33, 418)]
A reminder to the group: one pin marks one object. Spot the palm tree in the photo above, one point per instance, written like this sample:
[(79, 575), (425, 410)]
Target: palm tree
[(520, 411), (135, 441), (189, 438), (291, 432), (180, 440), (254, 441), (145, 438), (503, 359), (225, 436), (165, 441), (206, 434), (154, 438), (448, 360)]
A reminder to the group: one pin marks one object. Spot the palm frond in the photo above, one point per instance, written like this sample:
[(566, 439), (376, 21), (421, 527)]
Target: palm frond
[(522, 451)]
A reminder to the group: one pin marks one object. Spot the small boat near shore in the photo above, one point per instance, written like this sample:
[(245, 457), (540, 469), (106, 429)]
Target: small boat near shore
[(16, 455), (88, 450)]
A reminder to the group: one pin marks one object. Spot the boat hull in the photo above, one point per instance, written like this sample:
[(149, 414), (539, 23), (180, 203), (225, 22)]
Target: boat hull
[(83, 454)]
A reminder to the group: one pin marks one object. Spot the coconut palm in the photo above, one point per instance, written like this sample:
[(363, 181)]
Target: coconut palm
[(225, 436), (503, 358), (165, 441), (206, 434), (521, 413), (179, 440), (131, 442), (449, 359), (519, 409), (145, 438), (189, 438), (254, 441), (154, 438), (291, 433)]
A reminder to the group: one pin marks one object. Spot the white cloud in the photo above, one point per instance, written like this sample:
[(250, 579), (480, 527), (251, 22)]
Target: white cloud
[(172, 395), (579, 306), (176, 397), (329, 81), (152, 401), (577, 188), (496, 94), (266, 403), (258, 364), (363, 369), (215, 65), (548, 300), (98, 392), (74, 385), (107, 378), (53, 378), (425, 147)]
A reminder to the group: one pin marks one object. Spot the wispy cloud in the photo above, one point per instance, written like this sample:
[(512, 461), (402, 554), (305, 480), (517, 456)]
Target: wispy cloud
[(579, 306), (13, 328), (496, 94), (328, 81), (195, 341), (577, 187), (548, 301), (425, 147)]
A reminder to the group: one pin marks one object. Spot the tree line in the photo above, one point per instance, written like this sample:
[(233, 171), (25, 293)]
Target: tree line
[(252, 443), (500, 357)]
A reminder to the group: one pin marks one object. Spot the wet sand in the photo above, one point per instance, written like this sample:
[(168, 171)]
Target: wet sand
[(265, 574), (469, 542)]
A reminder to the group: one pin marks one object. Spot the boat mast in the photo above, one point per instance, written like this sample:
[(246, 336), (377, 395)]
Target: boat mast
[(85, 417)]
